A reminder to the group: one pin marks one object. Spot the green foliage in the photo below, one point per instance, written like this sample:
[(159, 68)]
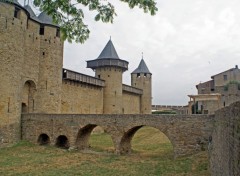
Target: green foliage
[(69, 15), (164, 112)]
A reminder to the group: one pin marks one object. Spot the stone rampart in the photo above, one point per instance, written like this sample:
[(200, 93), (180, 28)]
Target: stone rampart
[(225, 145)]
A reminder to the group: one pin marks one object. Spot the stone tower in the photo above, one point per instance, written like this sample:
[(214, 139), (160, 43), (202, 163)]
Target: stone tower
[(142, 78), (12, 31), (31, 54), (109, 67), (50, 66)]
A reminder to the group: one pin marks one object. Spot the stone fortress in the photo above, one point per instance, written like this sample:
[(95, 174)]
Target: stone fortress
[(43, 103), (33, 80)]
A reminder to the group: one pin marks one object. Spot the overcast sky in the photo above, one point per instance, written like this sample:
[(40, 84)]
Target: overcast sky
[(183, 44)]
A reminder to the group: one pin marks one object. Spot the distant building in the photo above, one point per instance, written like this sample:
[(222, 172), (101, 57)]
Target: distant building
[(222, 90)]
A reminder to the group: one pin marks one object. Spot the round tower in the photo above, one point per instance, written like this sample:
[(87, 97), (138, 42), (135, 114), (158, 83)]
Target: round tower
[(50, 66), (142, 78), (13, 22), (109, 67)]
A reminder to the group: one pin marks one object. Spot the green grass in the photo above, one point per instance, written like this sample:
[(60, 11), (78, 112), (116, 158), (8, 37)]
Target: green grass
[(152, 155)]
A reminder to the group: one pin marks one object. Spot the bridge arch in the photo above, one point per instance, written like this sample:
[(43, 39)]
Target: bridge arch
[(84, 134), (62, 142), (82, 140), (43, 139), (125, 146)]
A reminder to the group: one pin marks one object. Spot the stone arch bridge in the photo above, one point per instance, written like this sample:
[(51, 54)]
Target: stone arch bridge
[(187, 133)]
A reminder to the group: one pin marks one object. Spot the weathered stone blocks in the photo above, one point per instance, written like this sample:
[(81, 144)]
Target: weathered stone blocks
[(77, 129)]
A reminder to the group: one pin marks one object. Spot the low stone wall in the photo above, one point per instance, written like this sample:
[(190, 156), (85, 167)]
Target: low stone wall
[(225, 146)]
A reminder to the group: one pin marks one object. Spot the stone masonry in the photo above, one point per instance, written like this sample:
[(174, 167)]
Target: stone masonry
[(224, 148), (188, 134), (33, 80)]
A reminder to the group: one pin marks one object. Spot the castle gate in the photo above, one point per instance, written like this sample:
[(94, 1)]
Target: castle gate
[(187, 133)]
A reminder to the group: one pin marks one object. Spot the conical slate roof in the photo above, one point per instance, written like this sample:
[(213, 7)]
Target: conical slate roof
[(108, 58), (142, 68), (31, 12), (43, 17), (108, 52), (15, 2)]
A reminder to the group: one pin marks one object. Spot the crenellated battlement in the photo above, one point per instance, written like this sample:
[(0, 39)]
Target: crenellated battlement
[(13, 15)]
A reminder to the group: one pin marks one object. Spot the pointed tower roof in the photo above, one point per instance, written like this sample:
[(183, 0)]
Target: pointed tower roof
[(31, 13), (45, 18), (108, 52), (29, 9), (16, 2), (108, 58), (142, 68)]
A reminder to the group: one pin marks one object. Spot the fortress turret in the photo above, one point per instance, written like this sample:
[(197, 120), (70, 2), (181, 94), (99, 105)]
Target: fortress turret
[(51, 61), (31, 66), (13, 22), (109, 67), (142, 78)]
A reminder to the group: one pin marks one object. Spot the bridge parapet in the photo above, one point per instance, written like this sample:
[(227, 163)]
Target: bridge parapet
[(187, 133)]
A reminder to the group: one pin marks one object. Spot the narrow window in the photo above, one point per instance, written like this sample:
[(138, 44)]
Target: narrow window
[(17, 13), (58, 32), (225, 77), (138, 74), (27, 24), (145, 74), (99, 76), (41, 31)]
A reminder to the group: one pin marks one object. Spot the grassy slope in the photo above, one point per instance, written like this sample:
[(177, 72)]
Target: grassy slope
[(153, 155)]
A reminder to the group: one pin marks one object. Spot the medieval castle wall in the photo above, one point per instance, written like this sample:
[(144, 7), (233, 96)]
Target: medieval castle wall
[(80, 98), (31, 53), (224, 144), (131, 103)]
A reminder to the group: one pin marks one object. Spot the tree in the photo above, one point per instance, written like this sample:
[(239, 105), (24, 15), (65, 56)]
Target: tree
[(68, 14)]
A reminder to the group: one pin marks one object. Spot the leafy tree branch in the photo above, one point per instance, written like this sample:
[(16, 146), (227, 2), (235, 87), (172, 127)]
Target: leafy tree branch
[(69, 15)]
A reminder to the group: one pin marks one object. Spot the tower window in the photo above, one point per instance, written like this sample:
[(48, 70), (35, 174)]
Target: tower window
[(99, 76), (17, 13), (138, 74), (58, 32), (41, 31), (145, 74)]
